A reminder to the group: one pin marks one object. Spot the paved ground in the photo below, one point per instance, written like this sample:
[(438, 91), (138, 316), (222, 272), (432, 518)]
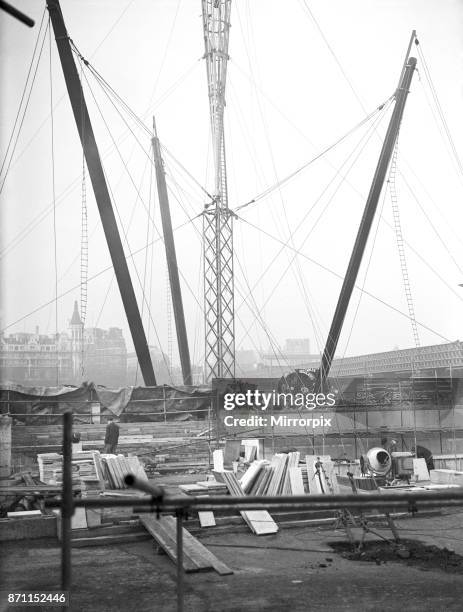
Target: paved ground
[(294, 570)]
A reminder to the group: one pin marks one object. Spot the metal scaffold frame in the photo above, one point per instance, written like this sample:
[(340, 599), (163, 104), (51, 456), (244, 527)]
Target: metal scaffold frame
[(219, 316)]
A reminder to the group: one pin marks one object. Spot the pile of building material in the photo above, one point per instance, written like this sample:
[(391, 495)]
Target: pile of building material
[(116, 468), (283, 475), (170, 445), (259, 521), (86, 466)]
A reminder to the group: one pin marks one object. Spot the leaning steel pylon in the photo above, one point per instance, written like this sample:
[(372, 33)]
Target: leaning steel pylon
[(217, 218)]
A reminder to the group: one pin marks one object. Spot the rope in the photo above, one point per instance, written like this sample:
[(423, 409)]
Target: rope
[(439, 108), (333, 273), (314, 159), (11, 149), (360, 145), (55, 250)]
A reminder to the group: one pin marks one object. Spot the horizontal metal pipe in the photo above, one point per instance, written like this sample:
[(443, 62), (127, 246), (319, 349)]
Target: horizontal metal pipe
[(136, 483), (307, 502), (143, 505)]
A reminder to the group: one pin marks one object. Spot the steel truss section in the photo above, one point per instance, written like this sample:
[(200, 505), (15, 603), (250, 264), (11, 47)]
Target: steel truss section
[(219, 314), (218, 293)]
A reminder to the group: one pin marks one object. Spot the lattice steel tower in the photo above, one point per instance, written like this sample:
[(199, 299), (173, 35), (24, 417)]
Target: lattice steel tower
[(217, 217)]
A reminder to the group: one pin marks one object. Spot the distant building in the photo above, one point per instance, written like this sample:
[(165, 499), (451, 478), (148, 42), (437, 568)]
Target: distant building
[(294, 354), (165, 374), (91, 354), (105, 356), (434, 360), (36, 359)]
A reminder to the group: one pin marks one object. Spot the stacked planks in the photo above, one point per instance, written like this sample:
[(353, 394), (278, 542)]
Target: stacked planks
[(281, 476), (205, 488), (86, 467), (259, 521), (117, 467)]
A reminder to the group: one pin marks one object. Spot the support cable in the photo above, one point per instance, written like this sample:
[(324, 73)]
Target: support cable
[(341, 277), (55, 249), (440, 111), (26, 85), (12, 148), (283, 181), (339, 172)]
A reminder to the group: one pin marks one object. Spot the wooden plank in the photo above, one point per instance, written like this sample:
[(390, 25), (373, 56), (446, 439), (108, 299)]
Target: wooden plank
[(420, 469), (295, 477), (79, 519), (206, 519), (24, 514), (196, 550), (163, 531), (259, 521)]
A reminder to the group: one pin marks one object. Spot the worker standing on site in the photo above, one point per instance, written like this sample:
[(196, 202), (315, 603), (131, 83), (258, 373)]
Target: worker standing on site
[(111, 437)]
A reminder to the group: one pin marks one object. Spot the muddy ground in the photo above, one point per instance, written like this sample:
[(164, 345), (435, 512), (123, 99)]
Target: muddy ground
[(297, 569)]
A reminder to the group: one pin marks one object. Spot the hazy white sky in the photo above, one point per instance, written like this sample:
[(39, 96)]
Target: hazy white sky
[(287, 99)]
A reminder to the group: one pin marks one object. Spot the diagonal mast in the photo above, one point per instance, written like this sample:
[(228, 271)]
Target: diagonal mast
[(217, 218), (101, 191), (366, 223)]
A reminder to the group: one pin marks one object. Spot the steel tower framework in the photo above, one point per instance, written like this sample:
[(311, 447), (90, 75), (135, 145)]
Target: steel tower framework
[(217, 218)]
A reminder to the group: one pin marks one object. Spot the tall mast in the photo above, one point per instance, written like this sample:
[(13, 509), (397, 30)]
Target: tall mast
[(366, 222), (217, 218), (171, 258), (100, 189)]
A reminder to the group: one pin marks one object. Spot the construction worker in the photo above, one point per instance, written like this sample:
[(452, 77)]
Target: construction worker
[(111, 437)]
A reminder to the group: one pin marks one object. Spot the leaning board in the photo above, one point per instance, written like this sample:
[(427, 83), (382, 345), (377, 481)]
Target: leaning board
[(196, 557)]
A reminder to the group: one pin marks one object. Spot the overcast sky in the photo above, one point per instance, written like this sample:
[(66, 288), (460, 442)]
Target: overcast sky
[(295, 86)]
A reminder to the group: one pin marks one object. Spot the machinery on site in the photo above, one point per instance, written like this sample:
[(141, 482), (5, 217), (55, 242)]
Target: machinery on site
[(376, 462)]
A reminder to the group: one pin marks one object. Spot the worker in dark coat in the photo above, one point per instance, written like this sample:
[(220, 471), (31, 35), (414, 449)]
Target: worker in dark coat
[(111, 437)]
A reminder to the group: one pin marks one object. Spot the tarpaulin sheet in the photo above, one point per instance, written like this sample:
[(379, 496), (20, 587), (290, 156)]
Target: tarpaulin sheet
[(124, 402), (175, 402)]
